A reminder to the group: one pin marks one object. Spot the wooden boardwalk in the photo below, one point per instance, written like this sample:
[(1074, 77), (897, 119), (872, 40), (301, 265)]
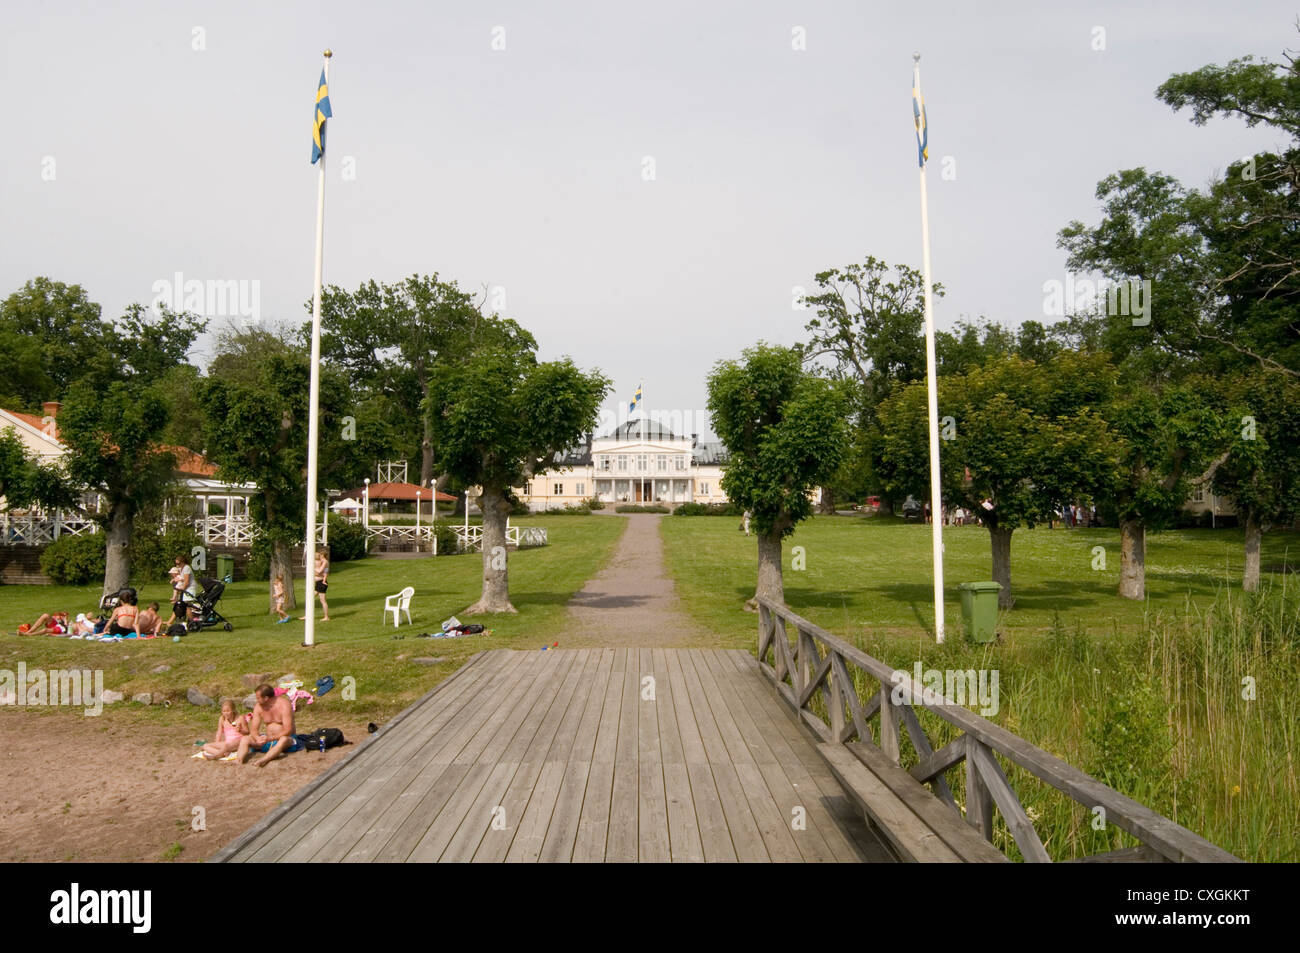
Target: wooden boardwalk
[(589, 755)]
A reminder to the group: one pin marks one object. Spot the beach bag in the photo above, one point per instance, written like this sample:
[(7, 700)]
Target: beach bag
[(331, 736), (177, 628)]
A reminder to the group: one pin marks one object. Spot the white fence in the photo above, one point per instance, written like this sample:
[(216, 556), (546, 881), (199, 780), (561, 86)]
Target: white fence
[(31, 530), (419, 535), (470, 538), (235, 532)]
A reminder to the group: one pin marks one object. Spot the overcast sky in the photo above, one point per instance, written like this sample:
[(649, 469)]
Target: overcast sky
[(147, 139)]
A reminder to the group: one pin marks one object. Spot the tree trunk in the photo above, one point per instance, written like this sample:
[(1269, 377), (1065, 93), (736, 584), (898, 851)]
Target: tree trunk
[(770, 581), (496, 587), (826, 504), (1254, 534), (1000, 537), (426, 447), (117, 553), (282, 566), (1132, 559)]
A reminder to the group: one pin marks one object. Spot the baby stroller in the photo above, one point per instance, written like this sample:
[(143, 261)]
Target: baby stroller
[(202, 612), (112, 600)]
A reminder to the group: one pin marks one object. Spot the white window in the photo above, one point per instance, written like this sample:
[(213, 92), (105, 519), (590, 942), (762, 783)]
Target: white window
[(622, 463), (661, 463), (559, 489), (582, 489), (704, 489), (1198, 495), (642, 463), (681, 463)]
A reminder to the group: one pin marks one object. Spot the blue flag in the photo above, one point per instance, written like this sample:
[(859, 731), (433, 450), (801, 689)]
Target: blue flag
[(318, 123), (922, 130)]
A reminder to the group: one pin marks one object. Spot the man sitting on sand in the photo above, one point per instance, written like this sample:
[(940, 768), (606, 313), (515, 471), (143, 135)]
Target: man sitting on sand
[(271, 729)]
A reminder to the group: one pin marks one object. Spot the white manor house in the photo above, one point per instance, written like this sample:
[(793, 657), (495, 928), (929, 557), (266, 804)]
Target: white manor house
[(639, 462)]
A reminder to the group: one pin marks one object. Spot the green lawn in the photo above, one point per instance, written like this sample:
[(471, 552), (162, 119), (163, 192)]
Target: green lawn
[(1186, 702), (354, 642), (872, 576)]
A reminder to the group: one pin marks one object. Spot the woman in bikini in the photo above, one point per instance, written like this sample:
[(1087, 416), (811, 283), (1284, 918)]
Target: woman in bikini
[(123, 619)]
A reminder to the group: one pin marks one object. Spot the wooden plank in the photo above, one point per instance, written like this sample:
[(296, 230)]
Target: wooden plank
[(652, 803), (563, 831), (593, 825), (857, 839), (764, 817), (950, 827), (912, 839), (381, 792), (622, 841), (683, 828), (1022, 829), (519, 715), (923, 750), (1141, 854), (784, 737), (550, 750), (979, 803), (710, 819), (300, 837), (525, 823), (365, 750), (780, 788)]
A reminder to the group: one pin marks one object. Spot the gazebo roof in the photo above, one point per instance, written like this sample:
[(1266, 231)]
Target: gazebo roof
[(399, 492)]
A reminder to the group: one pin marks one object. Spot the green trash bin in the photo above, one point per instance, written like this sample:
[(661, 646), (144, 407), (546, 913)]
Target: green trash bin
[(979, 609), (226, 568)]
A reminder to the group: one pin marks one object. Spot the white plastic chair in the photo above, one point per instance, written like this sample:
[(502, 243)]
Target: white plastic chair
[(398, 604)]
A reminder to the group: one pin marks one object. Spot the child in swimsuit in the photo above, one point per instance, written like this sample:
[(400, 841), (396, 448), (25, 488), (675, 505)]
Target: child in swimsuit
[(230, 728)]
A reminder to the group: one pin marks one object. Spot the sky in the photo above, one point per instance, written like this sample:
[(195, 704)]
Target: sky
[(646, 187)]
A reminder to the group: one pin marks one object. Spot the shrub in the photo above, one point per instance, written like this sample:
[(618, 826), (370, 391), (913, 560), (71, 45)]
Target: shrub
[(568, 509), (258, 568), (708, 509), (347, 540), (448, 542), (153, 553), (592, 503), (74, 560), (638, 508)]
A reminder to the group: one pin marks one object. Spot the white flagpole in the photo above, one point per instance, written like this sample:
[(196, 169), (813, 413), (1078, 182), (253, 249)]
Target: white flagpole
[(936, 496), (313, 402)]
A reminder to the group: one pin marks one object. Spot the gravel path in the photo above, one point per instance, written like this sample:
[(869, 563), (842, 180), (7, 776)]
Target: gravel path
[(632, 600)]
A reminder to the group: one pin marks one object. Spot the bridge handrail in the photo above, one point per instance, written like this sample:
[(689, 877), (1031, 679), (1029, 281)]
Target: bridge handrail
[(810, 671)]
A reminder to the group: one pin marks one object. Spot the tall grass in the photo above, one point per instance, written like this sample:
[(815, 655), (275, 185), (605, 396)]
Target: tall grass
[(1193, 715)]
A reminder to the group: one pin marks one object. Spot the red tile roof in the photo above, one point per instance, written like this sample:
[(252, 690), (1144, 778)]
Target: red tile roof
[(397, 491)]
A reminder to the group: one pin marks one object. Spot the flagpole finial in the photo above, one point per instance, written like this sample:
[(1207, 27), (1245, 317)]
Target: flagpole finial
[(329, 53), (916, 57)]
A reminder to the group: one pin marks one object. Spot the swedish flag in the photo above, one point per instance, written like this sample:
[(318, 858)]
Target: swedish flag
[(318, 123), (636, 401), (922, 130)]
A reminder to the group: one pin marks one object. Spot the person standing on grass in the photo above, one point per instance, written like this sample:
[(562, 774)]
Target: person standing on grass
[(322, 573), (183, 586), (277, 593)]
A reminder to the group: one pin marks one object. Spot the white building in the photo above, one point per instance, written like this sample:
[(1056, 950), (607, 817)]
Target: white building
[(639, 462)]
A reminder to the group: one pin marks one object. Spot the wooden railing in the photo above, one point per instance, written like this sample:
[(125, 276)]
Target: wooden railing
[(819, 665), (238, 532)]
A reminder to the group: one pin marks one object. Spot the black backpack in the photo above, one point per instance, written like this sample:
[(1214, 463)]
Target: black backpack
[(331, 738)]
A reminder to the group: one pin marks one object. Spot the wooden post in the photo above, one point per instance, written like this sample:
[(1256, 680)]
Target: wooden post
[(979, 802), (888, 725)]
